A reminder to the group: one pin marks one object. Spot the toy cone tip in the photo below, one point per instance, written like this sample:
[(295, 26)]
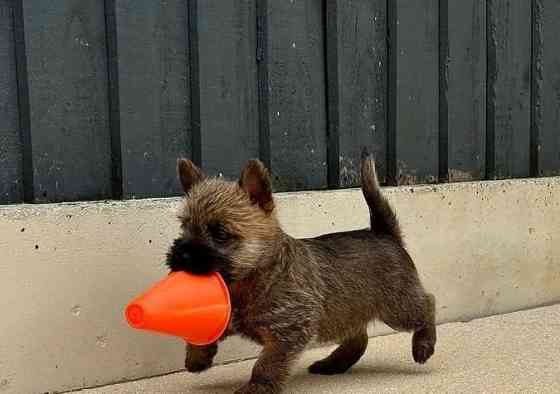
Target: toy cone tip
[(135, 315)]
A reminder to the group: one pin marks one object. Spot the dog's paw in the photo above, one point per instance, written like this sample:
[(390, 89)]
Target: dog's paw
[(197, 365), (199, 358), (423, 345), (422, 352)]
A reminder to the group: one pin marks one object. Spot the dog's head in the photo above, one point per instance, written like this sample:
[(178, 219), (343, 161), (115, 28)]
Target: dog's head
[(226, 227)]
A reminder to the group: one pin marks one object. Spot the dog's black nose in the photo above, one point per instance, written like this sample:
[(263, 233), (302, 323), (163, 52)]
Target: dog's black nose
[(193, 256), (178, 255), (182, 250)]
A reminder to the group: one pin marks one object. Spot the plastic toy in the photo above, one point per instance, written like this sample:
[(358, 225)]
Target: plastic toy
[(194, 307)]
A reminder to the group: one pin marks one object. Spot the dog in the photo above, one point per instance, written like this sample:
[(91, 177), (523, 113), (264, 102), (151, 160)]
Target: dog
[(286, 292)]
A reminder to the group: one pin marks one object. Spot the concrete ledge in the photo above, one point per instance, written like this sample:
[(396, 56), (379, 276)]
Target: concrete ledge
[(67, 270)]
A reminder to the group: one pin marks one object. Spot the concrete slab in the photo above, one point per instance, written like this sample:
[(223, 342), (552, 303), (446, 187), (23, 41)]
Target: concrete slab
[(518, 352)]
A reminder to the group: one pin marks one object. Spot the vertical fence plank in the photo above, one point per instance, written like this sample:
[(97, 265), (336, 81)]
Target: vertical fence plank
[(114, 115), (413, 92), (10, 150), (536, 110), (509, 88), (229, 121), (297, 94), (356, 72), (24, 111), (67, 68), (153, 94), (548, 72), (465, 77), (263, 86)]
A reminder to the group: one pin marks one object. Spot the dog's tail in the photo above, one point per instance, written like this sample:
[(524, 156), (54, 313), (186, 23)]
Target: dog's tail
[(382, 217)]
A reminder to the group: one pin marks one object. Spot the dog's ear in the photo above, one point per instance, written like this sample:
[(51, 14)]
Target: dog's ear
[(255, 180), (189, 174)]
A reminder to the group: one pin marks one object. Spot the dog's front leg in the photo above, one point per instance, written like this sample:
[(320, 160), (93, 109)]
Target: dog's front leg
[(199, 358), (271, 370)]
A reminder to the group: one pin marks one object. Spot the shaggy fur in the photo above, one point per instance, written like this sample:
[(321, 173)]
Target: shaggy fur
[(285, 291)]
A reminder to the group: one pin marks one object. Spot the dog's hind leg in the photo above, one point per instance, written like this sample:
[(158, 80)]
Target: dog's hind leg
[(414, 312), (424, 339)]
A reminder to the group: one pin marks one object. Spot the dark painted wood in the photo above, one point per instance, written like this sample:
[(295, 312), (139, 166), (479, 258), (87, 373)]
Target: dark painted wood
[(391, 100), (11, 177), (443, 60), (153, 88), (332, 39), (24, 111), (548, 67), (194, 81), (99, 98), (263, 91), (297, 102), (509, 88), (536, 109), (465, 76), (413, 100), (229, 118), (356, 71), (113, 98), (67, 68)]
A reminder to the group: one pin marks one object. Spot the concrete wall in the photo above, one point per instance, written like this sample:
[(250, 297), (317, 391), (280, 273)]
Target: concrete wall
[(67, 270)]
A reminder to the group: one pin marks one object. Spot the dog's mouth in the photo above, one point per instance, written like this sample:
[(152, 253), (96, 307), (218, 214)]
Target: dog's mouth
[(197, 258)]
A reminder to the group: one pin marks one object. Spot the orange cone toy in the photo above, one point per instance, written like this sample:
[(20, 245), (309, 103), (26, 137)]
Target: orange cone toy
[(194, 307)]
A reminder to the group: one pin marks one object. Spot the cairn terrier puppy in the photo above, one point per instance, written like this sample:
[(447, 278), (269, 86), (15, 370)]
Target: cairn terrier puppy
[(285, 291)]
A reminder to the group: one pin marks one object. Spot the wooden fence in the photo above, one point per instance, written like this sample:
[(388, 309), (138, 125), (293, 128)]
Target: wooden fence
[(99, 98)]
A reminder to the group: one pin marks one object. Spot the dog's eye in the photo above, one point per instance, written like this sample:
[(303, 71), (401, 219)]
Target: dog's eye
[(218, 232)]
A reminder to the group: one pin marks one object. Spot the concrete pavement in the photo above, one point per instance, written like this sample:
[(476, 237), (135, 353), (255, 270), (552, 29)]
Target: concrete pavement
[(513, 353)]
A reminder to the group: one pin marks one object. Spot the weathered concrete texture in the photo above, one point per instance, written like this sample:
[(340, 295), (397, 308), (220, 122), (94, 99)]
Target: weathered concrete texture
[(67, 270), (516, 353)]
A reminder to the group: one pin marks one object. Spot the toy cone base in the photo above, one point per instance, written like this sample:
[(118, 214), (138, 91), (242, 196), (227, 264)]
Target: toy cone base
[(196, 308)]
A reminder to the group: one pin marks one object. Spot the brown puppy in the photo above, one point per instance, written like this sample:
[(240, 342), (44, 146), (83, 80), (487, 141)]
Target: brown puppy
[(285, 291)]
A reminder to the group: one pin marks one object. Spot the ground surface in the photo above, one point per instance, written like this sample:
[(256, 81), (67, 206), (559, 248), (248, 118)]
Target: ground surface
[(515, 353)]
